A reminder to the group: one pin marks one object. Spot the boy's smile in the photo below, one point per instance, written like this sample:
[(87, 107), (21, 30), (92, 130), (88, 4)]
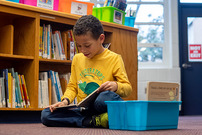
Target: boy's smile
[(88, 45)]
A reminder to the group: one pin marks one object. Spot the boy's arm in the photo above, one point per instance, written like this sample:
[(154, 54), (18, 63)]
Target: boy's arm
[(124, 87), (71, 90)]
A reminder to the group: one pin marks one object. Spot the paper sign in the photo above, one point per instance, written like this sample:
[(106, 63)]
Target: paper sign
[(48, 4), (79, 8), (162, 91), (118, 16), (195, 52)]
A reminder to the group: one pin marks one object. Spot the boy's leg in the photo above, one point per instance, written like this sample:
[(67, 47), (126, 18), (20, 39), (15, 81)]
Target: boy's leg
[(100, 116), (99, 104), (62, 118)]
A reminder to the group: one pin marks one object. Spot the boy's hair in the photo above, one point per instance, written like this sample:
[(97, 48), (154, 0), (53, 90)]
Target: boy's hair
[(88, 23)]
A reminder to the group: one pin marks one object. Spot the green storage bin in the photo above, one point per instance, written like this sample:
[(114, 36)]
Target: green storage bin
[(109, 14)]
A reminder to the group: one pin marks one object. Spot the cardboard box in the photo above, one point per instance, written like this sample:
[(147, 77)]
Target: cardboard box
[(162, 91)]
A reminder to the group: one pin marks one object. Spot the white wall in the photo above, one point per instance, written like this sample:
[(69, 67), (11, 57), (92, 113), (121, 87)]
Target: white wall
[(172, 72)]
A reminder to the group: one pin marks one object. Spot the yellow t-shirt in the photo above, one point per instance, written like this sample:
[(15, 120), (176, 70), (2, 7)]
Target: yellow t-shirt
[(107, 66)]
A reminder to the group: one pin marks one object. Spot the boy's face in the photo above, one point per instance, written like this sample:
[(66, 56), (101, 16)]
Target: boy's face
[(89, 46)]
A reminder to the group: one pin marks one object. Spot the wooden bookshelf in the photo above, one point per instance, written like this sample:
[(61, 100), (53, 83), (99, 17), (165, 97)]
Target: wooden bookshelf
[(19, 45)]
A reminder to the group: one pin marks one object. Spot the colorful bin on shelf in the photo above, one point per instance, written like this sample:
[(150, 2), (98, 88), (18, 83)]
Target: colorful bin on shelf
[(53, 4), (143, 115), (75, 7), (130, 21), (17, 1), (110, 14)]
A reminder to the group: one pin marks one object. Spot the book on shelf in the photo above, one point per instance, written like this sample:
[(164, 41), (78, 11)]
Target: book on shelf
[(43, 90), (41, 42), (50, 88), (3, 88), (15, 96), (162, 91), (25, 91), (51, 43)]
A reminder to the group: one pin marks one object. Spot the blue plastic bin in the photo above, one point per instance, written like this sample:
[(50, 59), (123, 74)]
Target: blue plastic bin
[(130, 21), (143, 115), (17, 1)]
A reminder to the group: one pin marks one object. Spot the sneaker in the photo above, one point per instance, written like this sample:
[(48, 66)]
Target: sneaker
[(100, 120)]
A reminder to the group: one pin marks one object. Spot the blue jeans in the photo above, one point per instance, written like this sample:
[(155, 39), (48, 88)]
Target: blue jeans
[(74, 118)]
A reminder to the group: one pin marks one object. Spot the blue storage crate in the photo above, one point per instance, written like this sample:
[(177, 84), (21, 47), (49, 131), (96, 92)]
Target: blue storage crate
[(143, 115), (130, 21), (17, 1)]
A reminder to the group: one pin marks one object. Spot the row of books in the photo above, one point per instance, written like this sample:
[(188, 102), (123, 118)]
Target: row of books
[(51, 87), (56, 44), (120, 4), (13, 90)]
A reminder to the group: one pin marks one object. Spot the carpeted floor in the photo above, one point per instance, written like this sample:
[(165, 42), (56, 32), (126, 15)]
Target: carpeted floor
[(188, 125)]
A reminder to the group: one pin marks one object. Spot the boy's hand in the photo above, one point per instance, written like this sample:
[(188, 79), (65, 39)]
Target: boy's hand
[(109, 85), (59, 104)]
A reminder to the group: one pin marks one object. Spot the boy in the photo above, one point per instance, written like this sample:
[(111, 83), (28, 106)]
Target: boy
[(93, 66)]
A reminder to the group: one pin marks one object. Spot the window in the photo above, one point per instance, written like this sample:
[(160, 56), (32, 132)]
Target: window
[(150, 22), (153, 30)]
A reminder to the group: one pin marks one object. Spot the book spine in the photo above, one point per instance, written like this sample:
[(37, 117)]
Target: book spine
[(62, 46), (41, 42), (59, 46), (53, 93), (9, 90), (57, 88), (59, 84), (25, 91), (1, 89), (6, 86), (20, 101), (48, 41)]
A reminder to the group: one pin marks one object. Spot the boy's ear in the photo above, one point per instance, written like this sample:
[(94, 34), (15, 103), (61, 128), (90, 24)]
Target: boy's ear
[(102, 38)]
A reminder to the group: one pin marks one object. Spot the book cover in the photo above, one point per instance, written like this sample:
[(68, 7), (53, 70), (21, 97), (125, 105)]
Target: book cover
[(85, 103), (162, 91)]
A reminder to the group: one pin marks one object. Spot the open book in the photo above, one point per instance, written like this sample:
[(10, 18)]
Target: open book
[(85, 103)]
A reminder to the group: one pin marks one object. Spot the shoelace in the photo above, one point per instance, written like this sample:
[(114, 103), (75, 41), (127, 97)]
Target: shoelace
[(98, 121)]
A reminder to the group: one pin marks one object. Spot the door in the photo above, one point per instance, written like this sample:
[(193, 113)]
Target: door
[(190, 28)]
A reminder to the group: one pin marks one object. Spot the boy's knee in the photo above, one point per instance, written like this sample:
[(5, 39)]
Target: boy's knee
[(99, 103), (45, 116)]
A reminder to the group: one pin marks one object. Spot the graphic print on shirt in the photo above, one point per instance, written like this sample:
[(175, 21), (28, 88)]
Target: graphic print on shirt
[(90, 80)]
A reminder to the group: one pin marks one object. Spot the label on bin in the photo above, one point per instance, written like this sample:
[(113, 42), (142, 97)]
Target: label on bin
[(48, 4), (78, 8), (118, 16)]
